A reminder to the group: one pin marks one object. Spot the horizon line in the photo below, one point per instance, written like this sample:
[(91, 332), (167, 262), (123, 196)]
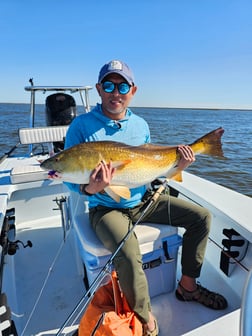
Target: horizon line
[(161, 107)]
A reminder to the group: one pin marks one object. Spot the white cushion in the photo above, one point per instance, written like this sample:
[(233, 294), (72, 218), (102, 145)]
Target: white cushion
[(150, 236), (29, 173), (42, 134)]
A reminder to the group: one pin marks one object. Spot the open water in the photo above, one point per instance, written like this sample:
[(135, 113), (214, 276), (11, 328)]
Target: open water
[(171, 127)]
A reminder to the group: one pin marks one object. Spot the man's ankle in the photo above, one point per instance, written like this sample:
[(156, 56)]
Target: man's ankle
[(188, 283)]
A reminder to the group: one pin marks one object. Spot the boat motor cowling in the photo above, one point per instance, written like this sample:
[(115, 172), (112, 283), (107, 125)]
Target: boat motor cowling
[(60, 111)]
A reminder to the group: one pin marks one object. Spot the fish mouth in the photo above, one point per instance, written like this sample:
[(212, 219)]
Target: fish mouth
[(54, 174)]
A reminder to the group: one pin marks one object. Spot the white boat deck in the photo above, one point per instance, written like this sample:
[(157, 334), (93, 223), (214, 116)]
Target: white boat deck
[(50, 269), (56, 282), (227, 325)]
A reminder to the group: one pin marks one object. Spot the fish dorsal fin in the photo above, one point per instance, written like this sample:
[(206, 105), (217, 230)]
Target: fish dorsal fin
[(116, 192)]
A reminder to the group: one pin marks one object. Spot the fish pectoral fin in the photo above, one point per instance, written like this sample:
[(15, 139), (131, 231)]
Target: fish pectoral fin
[(116, 192)]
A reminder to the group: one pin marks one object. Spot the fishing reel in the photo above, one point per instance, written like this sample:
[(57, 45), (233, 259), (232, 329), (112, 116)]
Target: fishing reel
[(13, 246), (8, 234)]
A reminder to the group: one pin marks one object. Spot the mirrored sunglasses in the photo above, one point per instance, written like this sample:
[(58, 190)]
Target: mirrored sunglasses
[(123, 88)]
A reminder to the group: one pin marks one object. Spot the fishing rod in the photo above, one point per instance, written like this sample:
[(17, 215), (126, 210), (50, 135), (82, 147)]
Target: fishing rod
[(90, 292), (6, 155)]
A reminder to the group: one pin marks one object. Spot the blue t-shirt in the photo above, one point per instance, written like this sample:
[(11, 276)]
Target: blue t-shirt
[(95, 126)]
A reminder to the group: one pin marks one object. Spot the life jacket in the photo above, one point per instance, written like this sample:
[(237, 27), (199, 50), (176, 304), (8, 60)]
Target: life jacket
[(109, 314)]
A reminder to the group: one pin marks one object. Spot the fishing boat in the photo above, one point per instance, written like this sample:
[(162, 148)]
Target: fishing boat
[(50, 258)]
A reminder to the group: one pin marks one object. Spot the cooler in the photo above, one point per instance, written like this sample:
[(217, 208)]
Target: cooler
[(159, 246)]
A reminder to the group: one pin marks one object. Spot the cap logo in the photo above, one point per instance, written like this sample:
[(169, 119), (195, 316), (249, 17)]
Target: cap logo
[(115, 65)]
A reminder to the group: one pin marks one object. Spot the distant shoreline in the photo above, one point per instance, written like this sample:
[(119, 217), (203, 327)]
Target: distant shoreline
[(161, 107), (195, 108)]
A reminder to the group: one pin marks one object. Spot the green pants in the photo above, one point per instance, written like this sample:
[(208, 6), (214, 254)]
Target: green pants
[(111, 226)]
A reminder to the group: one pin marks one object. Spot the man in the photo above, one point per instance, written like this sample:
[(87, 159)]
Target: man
[(113, 120)]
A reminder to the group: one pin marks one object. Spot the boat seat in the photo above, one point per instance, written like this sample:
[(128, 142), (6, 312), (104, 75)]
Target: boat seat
[(29, 136), (35, 135), (149, 234), (158, 245)]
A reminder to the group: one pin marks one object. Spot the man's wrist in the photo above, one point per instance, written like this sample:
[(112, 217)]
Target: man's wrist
[(83, 190)]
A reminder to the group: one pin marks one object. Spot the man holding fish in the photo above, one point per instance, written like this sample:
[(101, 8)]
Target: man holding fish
[(112, 210)]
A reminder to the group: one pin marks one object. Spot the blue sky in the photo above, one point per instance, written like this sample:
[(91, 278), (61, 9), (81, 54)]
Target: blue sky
[(184, 53)]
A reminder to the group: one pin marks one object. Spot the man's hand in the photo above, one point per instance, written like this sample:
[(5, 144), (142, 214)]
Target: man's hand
[(187, 156), (100, 178)]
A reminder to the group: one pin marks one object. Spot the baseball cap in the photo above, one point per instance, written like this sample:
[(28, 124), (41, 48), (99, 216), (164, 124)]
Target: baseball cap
[(118, 67)]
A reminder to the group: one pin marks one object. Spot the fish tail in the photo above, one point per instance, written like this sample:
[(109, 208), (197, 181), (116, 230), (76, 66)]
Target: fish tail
[(209, 144)]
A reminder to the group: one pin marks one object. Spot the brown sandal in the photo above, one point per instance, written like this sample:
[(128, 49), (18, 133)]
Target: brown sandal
[(154, 332), (202, 295)]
